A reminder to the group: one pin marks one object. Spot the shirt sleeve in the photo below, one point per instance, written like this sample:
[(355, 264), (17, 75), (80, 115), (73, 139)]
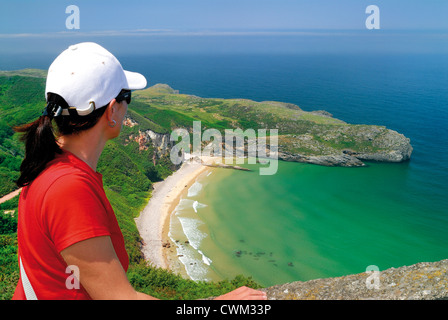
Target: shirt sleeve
[(73, 211)]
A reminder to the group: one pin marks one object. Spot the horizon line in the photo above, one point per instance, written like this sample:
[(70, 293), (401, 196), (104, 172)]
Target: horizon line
[(211, 32)]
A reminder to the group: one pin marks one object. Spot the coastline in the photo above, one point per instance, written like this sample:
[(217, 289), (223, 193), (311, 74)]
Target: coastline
[(153, 222)]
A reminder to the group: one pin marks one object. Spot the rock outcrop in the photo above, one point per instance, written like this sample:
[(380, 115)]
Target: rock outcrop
[(324, 146), (337, 160), (421, 281), (160, 141)]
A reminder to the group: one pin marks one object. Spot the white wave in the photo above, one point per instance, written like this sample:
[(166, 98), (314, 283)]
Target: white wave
[(194, 189), (185, 233), (183, 205), (197, 205), (209, 173), (205, 259), (191, 231), (195, 262)]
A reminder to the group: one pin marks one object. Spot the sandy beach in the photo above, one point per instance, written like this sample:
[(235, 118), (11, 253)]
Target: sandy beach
[(153, 222)]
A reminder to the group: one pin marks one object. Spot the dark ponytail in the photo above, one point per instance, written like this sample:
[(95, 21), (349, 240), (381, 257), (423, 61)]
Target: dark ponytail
[(40, 148), (40, 137)]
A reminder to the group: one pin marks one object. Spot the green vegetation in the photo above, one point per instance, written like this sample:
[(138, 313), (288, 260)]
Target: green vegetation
[(17, 106), (9, 270)]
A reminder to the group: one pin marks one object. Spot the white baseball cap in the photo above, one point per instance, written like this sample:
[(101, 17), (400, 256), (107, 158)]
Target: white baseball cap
[(88, 77)]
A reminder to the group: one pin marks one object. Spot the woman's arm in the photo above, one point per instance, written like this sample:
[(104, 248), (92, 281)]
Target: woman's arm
[(102, 275), (100, 270)]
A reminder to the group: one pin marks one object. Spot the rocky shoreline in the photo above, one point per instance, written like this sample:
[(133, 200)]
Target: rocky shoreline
[(384, 145)]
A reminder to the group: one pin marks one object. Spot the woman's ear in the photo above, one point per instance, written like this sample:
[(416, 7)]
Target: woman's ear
[(111, 110)]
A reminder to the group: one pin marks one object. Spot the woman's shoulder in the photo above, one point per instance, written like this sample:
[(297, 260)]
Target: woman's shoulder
[(68, 167), (61, 178)]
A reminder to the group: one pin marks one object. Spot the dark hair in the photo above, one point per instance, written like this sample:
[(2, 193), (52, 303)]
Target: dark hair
[(40, 138)]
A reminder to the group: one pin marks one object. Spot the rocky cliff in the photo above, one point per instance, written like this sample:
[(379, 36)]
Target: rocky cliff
[(422, 281), (325, 146)]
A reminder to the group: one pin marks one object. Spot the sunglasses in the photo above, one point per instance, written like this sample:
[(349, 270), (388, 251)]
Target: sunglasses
[(124, 95)]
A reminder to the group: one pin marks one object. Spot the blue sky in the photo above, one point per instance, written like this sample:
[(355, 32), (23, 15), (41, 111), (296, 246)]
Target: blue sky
[(224, 26), (45, 16)]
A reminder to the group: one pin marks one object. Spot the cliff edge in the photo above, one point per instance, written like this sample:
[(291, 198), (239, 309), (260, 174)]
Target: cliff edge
[(421, 281)]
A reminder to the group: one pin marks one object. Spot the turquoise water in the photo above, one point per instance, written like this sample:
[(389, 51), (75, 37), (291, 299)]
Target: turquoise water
[(308, 222)]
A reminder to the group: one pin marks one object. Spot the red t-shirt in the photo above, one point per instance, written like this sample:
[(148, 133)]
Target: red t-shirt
[(65, 204)]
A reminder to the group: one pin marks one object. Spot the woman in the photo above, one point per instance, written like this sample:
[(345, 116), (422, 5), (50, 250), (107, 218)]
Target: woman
[(66, 223)]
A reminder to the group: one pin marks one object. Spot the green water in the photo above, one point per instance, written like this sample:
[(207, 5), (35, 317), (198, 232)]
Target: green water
[(308, 222)]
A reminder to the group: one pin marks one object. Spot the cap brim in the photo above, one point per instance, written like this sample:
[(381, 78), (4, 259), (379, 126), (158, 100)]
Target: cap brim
[(135, 80)]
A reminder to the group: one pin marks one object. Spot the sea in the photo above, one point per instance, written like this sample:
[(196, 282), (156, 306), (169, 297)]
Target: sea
[(306, 221)]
